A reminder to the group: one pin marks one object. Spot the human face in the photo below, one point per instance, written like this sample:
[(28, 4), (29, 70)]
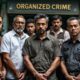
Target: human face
[(74, 28), (0, 24), (56, 24), (19, 24), (30, 27), (41, 26)]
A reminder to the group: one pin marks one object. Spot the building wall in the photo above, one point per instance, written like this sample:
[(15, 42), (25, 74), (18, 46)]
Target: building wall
[(28, 8)]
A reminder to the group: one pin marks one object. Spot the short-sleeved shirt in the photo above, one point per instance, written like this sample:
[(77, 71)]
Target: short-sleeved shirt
[(41, 52), (71, 56), (12, 44)]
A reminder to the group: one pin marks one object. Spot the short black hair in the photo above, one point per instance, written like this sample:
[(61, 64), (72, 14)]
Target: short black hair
[(55, 17), (30, 20), (73, 18), (38, 16)]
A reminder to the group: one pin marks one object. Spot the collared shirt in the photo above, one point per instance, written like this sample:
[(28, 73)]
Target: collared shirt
[(61, 35), (71, 56), (41, 52), (12, 43)]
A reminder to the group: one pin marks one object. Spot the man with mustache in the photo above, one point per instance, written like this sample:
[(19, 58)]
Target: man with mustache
[(11, 49), (70, 63), (30, 27), (41, 52), (57, 31)]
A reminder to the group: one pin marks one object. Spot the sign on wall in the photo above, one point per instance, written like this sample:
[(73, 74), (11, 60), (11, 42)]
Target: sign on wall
[(43, 7)]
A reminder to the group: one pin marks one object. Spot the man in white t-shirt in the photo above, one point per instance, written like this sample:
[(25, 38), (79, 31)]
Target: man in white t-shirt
[(11, 49)]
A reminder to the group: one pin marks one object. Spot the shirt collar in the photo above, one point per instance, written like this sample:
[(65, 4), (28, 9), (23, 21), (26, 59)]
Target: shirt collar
[(53, 32), (61, 30), (47, 37), (15, 34), (78, 39)]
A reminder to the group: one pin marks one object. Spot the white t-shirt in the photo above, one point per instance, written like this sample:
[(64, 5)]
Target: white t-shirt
[(12, 44)]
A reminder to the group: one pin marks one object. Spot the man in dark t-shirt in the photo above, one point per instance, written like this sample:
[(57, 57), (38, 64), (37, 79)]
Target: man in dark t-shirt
[(71, 51), (41, 52)]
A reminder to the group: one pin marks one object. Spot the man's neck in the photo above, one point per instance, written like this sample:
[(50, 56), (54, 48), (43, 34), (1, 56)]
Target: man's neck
[(19, 33), (42, 36), (74, 38), (31, 34), (56, 30)]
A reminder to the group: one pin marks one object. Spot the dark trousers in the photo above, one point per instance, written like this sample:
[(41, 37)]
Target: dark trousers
[(60, 75), (52, 77)]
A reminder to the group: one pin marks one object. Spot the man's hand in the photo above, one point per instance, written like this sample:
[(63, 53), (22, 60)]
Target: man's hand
[(78, 77), (3, 74), (69, 77), (46, 75), (0, 75), (17, 74), (40, 76), (22, 75)]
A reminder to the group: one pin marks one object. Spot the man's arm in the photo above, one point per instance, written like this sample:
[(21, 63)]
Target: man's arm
[(3, 73), (10, 64), (29, 65), (65, 72), (53, 66), (0, 63), (56, 60), (2, 69)]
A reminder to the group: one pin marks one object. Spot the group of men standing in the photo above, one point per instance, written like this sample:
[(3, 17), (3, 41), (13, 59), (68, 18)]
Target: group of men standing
[(37, 55)]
